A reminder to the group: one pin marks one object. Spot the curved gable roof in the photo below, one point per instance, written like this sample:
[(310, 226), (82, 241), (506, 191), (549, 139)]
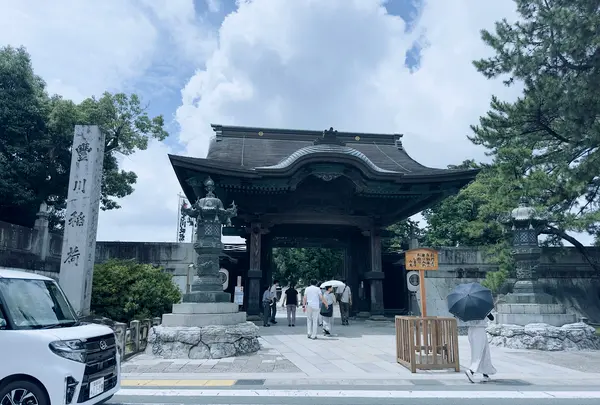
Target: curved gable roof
[(315, 150), (252, 148)]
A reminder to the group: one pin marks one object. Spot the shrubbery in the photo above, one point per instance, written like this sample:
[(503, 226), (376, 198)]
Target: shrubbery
[(125, 290)]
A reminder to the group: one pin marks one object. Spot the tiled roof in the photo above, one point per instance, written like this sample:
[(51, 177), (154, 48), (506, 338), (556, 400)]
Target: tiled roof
[(251, 148)]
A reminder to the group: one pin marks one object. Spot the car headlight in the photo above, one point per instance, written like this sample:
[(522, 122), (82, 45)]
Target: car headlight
[(69, 349)]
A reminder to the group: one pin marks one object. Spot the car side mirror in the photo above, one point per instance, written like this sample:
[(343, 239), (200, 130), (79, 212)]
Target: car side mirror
[(2, 323)]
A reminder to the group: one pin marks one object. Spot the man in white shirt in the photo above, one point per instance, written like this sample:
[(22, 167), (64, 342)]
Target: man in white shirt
[(344, 296), (313, 297)]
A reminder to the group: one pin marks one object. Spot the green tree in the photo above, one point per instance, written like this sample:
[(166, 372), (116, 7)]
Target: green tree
[(36, 134), (124, 290), (401, 234), (23, 142), (546, 142), (470, 217), (300, 265)]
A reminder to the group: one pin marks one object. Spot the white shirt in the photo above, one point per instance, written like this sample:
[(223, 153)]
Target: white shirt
[(313, 296), (274, 292)]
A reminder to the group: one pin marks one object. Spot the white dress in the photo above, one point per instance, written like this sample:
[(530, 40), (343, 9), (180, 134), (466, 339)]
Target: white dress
[(481, 359)]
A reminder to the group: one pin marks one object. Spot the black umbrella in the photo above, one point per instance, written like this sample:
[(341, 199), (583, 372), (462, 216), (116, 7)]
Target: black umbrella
[(470, 302)]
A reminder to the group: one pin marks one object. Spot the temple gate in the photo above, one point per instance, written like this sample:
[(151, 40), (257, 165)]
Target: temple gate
[(310, 188)]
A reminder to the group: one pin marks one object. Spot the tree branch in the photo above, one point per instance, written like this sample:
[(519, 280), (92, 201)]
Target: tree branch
[(550, 230)]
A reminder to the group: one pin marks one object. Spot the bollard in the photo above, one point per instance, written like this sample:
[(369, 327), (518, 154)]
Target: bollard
[(120, 335), (135, 335)]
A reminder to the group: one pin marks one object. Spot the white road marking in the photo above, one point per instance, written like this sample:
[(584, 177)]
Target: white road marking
[(361, 394)]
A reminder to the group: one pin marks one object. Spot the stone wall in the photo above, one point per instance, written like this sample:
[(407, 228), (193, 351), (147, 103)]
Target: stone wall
[(29, 248), (175, 258), (564, 273)]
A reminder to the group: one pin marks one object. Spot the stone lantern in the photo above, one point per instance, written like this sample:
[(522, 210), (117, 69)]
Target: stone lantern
[(210, 216), (528, 303), (206, 325), (525, 223)]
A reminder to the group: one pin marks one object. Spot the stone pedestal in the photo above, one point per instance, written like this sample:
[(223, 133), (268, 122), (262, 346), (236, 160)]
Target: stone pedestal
[(208, 342), (533, 308), (204, 314), (207, 325)]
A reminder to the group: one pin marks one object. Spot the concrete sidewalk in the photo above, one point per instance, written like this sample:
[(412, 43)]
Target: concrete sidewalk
[(360, 354)]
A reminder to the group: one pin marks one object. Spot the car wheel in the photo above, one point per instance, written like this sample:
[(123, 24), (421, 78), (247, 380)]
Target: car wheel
[(23, 393)]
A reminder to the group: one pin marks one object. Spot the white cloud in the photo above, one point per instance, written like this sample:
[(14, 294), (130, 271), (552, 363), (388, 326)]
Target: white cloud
[(298, 64), (341, 63), (149, 214), (81, 47)]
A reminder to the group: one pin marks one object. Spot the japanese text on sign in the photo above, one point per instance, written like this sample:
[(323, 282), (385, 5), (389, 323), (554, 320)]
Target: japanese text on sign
[(421, 259)]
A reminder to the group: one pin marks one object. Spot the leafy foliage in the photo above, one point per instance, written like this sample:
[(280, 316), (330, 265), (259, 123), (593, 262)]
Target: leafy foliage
[(36, 135), (494, 280), (124, 290), (300, 265), (403, 232), (470, 217), (546, 143)]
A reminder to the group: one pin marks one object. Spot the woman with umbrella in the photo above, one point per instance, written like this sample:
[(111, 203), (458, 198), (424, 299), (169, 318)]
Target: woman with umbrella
[(473, 303)]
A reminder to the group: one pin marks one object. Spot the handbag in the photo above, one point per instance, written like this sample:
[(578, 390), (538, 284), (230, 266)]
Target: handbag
[(326, 312)]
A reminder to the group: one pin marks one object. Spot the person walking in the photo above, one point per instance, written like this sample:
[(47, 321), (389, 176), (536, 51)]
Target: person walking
[(320, 317), (344, 297), (290, 300), (327, 311), (481, 359), (313, 297), (274, 301), (266, 303)]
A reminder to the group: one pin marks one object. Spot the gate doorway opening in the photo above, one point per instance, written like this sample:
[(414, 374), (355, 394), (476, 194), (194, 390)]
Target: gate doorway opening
[(299, 266)]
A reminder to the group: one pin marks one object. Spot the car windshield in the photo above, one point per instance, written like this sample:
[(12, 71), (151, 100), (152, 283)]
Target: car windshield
[(36, 304)]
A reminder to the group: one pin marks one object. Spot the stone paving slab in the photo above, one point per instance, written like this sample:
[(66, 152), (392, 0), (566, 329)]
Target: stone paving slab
[(363, 351)]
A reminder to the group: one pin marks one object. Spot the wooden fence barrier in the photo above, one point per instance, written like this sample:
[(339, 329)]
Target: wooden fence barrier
[(429, 343)]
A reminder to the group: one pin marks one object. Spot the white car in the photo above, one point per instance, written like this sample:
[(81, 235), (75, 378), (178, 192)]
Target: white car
[(47, 356)]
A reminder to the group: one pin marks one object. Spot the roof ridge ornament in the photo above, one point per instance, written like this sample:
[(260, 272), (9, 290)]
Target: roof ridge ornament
[(329, 137)]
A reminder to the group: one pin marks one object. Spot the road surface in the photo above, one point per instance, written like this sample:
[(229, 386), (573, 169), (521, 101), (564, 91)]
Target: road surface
[(459, 395)]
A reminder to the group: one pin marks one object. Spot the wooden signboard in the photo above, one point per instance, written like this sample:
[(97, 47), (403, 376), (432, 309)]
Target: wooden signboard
[(421, 260)]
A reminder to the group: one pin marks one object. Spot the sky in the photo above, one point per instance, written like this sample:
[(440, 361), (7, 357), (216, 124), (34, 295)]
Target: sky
[(395, 66)]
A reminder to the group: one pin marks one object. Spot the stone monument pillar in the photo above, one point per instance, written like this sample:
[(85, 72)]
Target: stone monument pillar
[(529, 303), (206, 324), (41, 242), (81, 217)]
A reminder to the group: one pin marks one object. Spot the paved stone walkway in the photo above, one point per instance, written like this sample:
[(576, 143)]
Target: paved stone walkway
[(363, 351)]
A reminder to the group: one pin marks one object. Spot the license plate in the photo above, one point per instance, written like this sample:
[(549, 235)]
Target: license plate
[(96, 387)]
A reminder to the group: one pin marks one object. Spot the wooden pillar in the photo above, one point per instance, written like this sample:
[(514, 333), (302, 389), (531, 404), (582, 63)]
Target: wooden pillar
[(375, 275), (255, 273), (358, 252)]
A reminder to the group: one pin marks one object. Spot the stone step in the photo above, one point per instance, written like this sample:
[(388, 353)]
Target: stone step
[(206, 308), (200, 320), (526, 319), (530, 309)]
